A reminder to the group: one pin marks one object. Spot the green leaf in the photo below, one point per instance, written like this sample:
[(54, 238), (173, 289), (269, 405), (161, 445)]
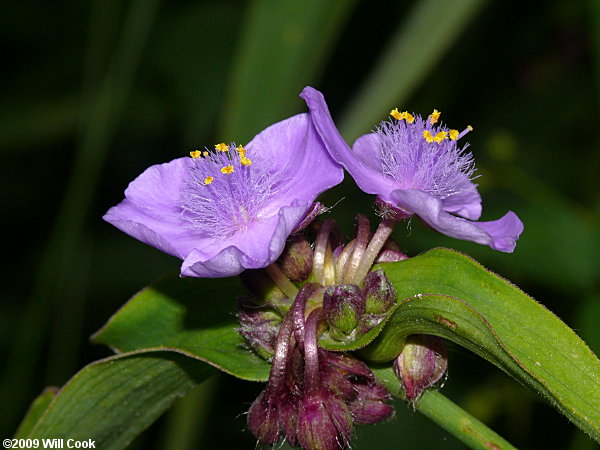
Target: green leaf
[(112, 400), (265, 84), (447, 294), (193, 316), (35, 411)]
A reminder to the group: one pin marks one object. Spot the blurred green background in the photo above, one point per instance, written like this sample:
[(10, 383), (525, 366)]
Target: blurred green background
[(94, 92)]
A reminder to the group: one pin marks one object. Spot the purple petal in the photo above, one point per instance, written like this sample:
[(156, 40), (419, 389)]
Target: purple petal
[(150, 213), (299, 155), (254, 248), (466, 203), (500, 234), (368, 178)]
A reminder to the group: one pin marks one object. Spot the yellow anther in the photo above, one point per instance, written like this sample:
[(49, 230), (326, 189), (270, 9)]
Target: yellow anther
[(245, 161), (227, 170), (396, 114), (208, 180), (470, 127), (454, 134), (222, 147), (439, 137), (405, 115), (205, 153), (428, 137), (435, 116), (241, 150), (196, 154)]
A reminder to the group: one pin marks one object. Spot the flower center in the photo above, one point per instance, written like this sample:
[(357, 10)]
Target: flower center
[(226, 190), (424, 155)]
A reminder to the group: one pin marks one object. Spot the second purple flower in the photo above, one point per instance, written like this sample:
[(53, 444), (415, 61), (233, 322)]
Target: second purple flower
[(416, 166)]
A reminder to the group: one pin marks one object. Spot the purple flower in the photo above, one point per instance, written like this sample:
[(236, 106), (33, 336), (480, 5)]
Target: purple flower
[(416, 166), (230, 209)]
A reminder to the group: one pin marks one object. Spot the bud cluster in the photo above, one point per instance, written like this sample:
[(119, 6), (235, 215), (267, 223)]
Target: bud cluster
[(313, 396)]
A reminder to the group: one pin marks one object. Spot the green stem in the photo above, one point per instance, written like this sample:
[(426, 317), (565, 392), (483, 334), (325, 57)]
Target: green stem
[(282, 282), (458, 422)]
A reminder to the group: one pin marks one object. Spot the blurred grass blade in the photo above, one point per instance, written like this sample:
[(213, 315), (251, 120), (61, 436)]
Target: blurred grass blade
[(60, 277), (186, 421), (37, 408), (112, 400), (282, 48), (412, 53)]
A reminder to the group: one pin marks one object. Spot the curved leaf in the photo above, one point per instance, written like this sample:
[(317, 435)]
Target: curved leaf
[(112, 400), (448, 294), (191, 315)]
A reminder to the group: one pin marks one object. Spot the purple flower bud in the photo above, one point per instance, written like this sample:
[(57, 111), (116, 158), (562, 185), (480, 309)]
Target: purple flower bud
[(348, 365), (263, 417), (343, 306), (297, 257), (259, 325), (371, 404), (337, 383), (379, 292), (422, 362), (324, 422), (390, 253)]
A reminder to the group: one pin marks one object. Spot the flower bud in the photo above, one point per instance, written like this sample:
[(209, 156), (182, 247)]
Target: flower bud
[(422, 362), (263, 418), (297, 257), (371, 404), (343, 306), (259, 325), (379, 292), (324, 422), (390, 252)]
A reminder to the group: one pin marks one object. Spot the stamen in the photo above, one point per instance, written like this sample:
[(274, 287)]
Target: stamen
[(208, 180), (245, 161), (196, 154), (440, 136), (227, 170), (465, 131), (396, 114), (428, 137), (434, 117), (222, 147), (405, 115), (454, 135)]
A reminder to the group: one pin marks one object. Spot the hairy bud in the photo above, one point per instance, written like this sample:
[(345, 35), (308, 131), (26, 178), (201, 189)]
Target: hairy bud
[(379, 292), (343, 306), (422, 363)]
